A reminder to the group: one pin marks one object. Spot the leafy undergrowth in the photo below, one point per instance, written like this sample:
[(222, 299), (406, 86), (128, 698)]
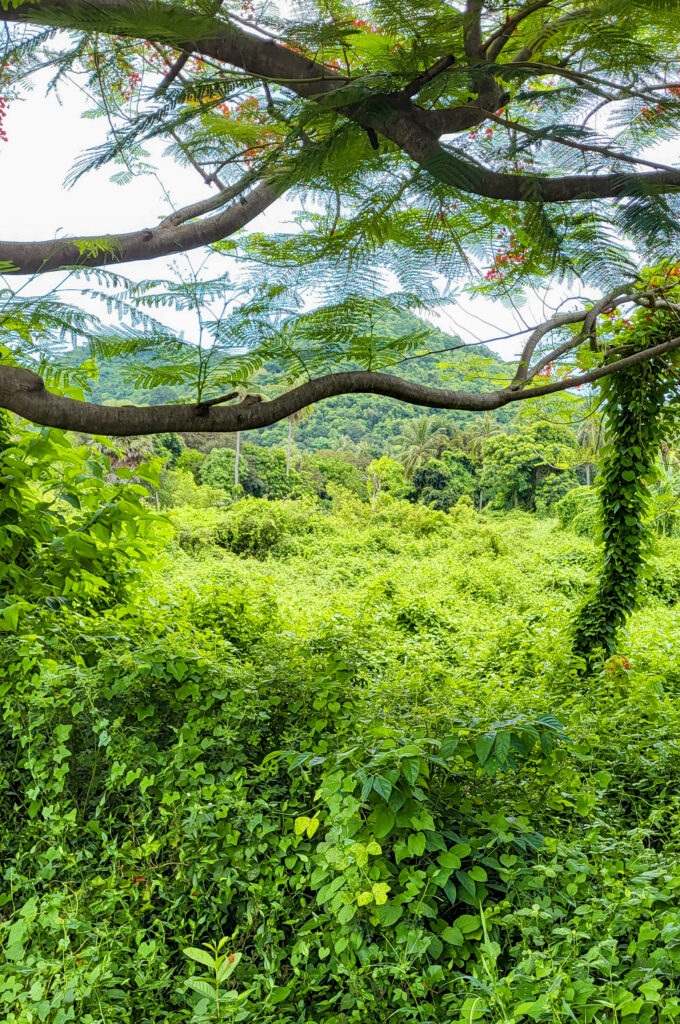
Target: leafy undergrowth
[(355, 746)]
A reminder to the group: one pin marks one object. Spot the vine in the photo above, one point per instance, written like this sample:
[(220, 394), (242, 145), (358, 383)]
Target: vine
[(638, 415)]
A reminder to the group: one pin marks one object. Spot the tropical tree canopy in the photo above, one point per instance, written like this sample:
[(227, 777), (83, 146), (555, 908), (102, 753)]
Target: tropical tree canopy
[(499, 142)]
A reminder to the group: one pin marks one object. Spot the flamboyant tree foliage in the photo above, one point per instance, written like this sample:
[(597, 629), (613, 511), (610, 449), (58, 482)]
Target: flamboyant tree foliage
[(502, 142)]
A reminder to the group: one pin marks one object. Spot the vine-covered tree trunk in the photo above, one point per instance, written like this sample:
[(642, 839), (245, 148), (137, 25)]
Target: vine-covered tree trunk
[(634, 409)]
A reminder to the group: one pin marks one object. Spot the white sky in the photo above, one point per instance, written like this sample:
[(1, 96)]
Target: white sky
[(45, 139)]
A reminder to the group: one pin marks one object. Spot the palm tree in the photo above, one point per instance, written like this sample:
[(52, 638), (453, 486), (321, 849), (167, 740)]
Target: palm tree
[(423, 439), (482, 428), (590, 436)]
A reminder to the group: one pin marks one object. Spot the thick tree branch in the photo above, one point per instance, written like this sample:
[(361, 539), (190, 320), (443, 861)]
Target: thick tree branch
[(171, 236), (23, 392), (622, 296), (187, 30)]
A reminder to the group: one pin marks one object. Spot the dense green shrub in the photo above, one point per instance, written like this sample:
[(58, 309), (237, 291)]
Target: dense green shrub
[(335, 467), (217, 469), (552, 488), (417, 520), (577, 510), (169, 446), (179, 489), (517, 466), (256, 528), (441, 482), (68, 535)]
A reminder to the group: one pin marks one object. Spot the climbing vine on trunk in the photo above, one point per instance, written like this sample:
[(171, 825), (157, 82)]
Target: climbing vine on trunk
[(639, 414)]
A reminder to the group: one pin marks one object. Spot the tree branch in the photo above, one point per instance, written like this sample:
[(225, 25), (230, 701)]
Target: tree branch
[(184, 29), (23, 392), (497, 41), (171, 236), (472, 29)]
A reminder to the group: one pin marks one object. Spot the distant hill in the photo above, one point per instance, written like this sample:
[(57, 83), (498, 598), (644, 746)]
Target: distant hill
[(348, 419)]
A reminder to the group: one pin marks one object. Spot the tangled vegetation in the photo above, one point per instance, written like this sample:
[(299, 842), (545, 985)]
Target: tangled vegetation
[(374, 787)]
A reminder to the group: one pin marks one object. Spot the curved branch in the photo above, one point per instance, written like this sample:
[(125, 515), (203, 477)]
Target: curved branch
[(170, 236), (184, 29), (24, 393)]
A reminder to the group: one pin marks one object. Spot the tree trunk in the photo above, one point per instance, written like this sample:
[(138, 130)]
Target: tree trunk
[(290, 441), (587, 474), (238, 456)]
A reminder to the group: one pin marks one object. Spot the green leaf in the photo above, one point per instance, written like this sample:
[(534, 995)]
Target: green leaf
[(453, 935), (203, 988), (416, 844), (501, 746), (9, 618), (382, 787), (346, 913), (382, 821), (278, 994), (468, 923), (201, 956), (389, 913), (483, 747), (380, 891), (448, 746), (228, 966)]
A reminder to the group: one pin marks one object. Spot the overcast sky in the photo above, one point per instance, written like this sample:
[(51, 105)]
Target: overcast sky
[(45, 138)]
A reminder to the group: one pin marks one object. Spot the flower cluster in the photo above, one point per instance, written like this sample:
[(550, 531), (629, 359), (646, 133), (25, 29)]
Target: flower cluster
[(3, 112), (128, 85), (512, 255), (366, 26)]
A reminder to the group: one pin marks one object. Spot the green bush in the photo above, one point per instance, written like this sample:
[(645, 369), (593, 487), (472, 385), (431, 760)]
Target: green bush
[(72, 532), (577, 511), (257, 528), (218, 468), (179, 489)]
